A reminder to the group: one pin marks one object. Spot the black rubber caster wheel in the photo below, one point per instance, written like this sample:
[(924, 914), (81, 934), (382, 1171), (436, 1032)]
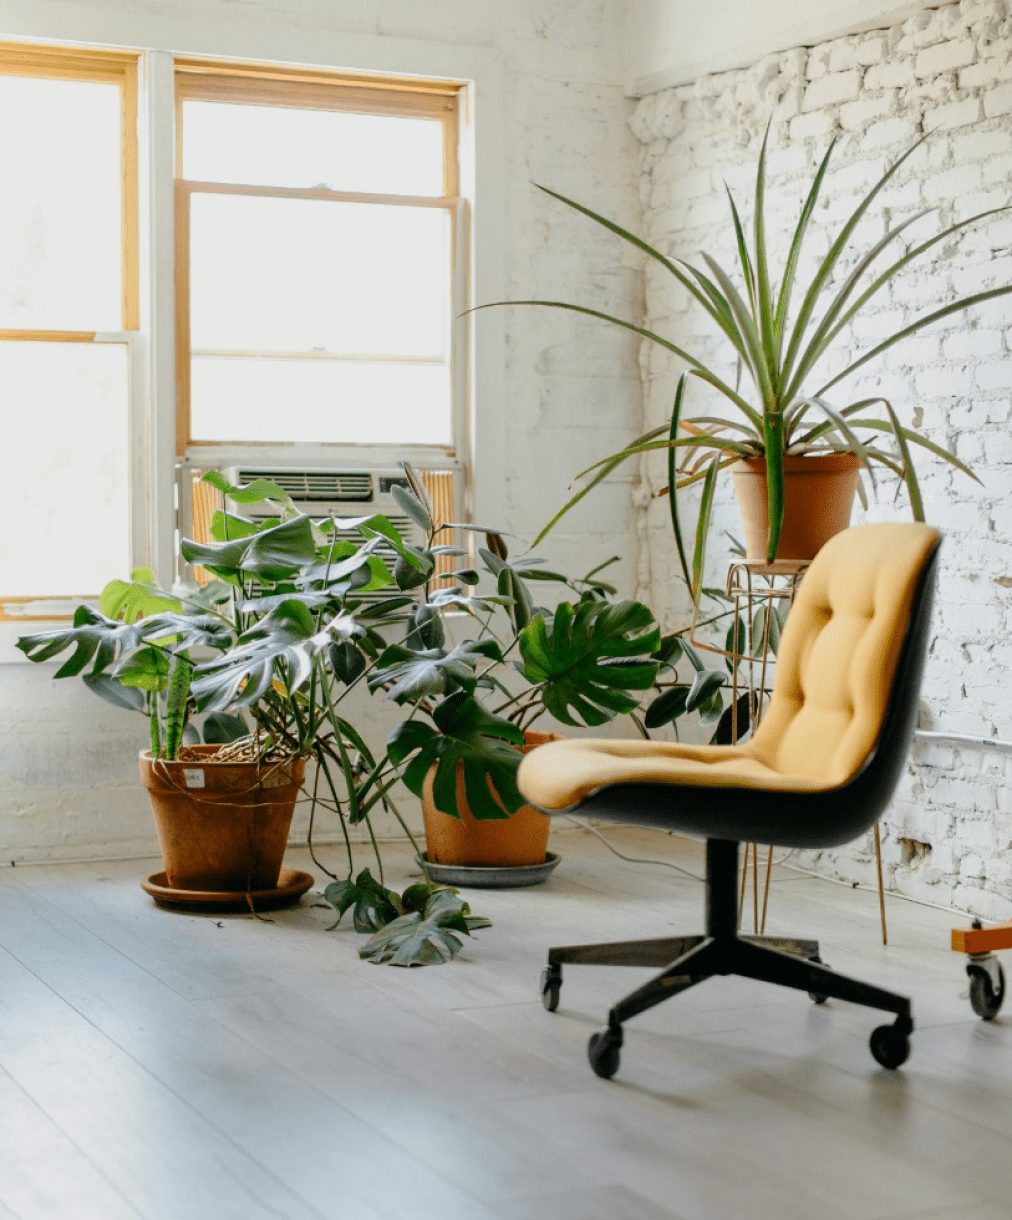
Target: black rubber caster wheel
[(603, 1052), (889, 1046), (817, 997), (551, 985), (984, 1000)]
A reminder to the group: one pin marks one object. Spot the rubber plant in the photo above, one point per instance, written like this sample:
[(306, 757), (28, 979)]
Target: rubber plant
[(778, 332)]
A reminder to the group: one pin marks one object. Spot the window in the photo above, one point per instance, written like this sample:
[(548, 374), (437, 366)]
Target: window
[(317, 286), (68, 309)]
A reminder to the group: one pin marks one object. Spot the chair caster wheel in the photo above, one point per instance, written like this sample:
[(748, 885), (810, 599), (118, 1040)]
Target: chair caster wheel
[(551, 985), (603, 1052), (985, 1001), (890, 1046), (817, 997)]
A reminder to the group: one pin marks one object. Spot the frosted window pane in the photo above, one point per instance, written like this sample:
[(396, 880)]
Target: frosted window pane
[(64, 468), (303, 275), (278, 146), (60, 206), (326, 401)]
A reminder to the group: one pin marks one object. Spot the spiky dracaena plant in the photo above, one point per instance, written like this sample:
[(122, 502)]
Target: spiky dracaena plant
[(779, 345)]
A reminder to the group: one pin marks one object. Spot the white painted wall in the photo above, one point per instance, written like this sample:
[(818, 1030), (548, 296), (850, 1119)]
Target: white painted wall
[(947, 71), (672, 42), (551, 394)]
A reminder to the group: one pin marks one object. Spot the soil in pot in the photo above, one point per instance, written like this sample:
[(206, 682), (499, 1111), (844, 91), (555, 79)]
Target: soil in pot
[(818, 498), (514, 842), (222, 824)]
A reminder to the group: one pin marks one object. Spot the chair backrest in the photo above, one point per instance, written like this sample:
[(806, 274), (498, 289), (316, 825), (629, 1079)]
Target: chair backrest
[(839, 652)]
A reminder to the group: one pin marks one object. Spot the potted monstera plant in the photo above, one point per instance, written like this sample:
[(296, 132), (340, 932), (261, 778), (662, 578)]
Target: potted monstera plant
[(787, 426), (584, 656), (241, 680)]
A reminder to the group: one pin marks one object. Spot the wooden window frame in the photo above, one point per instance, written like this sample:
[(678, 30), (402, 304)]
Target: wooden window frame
[(266, 85), (118, 68)]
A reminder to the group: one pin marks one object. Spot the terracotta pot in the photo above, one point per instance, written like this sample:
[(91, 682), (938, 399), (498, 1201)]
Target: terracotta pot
[(222, 826), (514, 842), (818, 497)]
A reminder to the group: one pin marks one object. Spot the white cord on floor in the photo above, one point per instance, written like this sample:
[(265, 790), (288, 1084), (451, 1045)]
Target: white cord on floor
[(798, 868), (630, 859)]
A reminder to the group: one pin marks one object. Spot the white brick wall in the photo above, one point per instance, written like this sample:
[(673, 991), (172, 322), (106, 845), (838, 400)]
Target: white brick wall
[(948, 71)]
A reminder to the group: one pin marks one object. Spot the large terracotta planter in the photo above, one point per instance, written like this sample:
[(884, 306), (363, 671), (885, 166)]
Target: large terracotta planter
[(518, 841), (222, 826), (818, 498)]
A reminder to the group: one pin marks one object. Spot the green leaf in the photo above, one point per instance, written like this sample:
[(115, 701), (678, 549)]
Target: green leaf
[(249, 493), (705, 684), (588, 657), (226, 527), (425, 938), (417, 673), (146, 668), (411, 505), (466, 734), (114, 692), (667, 707), (272, 554), (222, 727), (703, 526), (346, 661), (520, 607), (676, 526), (374, 905), (130, 600)]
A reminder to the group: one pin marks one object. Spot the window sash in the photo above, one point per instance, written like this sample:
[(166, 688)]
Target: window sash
[(271, 86), (117, 68)]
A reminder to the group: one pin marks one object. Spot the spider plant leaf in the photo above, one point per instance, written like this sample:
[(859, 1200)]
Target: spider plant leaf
[(700, 369), (796, 411), (676, 526), (667, 263), (919, 324), (756, 357), (825, 269), (721, 309), (791, 266), (915, 438), (821, 339), (748, 271), (840, 423), (915, 252), (603, 468), (764, 295), (909, 474), (703, 525)]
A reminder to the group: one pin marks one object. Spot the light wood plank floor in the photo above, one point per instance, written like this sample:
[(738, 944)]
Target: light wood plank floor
[(164, 1065)]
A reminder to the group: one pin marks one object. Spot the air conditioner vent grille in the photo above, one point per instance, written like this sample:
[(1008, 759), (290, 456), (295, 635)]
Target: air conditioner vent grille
[(317, 485)]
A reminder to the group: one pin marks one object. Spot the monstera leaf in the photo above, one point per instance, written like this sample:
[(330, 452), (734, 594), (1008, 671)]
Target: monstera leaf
[(428, 937), (287, 635), (589, 656), (468, 734), (430, 671), (272, 554), (131, 600), (99, 641)]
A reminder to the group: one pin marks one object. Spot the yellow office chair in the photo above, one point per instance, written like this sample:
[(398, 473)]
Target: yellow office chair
[(818, 772)]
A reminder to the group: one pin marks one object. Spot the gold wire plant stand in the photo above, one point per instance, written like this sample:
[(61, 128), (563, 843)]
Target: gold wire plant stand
[(756, 589)]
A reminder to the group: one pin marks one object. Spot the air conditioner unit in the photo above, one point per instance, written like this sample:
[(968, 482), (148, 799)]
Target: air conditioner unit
[(324, 494)]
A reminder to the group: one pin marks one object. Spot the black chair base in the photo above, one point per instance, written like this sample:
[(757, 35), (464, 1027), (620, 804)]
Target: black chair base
[(688, 960)]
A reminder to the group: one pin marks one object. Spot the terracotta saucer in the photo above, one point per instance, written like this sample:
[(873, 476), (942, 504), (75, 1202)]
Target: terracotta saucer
[(292, 884)]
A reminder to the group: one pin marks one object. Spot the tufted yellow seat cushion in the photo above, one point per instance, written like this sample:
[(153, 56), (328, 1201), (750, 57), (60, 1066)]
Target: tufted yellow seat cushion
[(834, 675)]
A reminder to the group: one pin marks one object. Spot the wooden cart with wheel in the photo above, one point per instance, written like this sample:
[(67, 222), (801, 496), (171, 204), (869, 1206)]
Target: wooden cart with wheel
[(987, 978)]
